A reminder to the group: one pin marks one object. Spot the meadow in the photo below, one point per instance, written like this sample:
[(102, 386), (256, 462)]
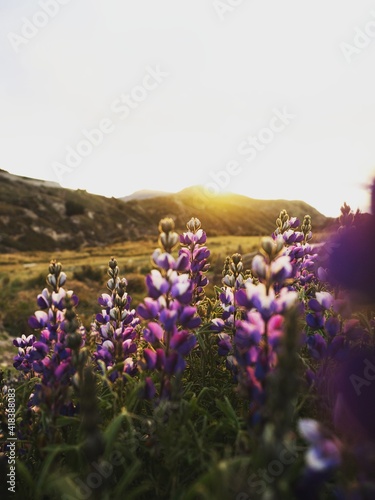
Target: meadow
[(23, 274), (192, 367)]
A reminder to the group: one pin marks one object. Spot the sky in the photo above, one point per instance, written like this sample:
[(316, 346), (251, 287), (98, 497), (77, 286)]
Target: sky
[(266, 99)]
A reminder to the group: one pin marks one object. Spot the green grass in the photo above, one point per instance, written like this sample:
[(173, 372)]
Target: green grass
[(22, 278)]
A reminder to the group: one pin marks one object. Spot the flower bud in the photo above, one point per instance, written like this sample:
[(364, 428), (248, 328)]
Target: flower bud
[(111, 284), (259, 266), (236, 258), (279, 244), (169, 240), (166, 225), (193, 225), (113, 313), (229, 280), (51, 279), (62, 279), (112, 263), (268, 245), (306, 225)]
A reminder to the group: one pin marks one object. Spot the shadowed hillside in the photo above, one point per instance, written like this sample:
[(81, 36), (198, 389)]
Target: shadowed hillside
[(39, 215)]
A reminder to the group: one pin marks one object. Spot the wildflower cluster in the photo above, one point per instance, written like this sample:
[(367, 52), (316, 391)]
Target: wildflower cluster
[(115, 328), (298, 248), (167, 310), (193, 247), (281, 353), (54, 351), (251, 323)]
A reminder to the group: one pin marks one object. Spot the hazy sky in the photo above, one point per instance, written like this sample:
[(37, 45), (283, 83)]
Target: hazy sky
[(278, 94)]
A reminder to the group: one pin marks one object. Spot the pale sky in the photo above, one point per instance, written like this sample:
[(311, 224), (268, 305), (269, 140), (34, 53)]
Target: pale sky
[(184, 90)]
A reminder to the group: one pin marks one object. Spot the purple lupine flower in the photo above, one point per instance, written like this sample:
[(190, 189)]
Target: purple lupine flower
[(350, 261), (183, 342), (187, 317), (149, 309), (281, 269), (249, 331), (302, 260), (324, 452), (38, 351), (44, 299), (259, 266), (252, 348), (156, 284), (315, 320), (39, 320), (332, 326), (317, 346), (197, 256), (174, 364), (275, 330), (48, 353), (224, 344), (168, 311), (226, 298), (291, 236), (181, 287), (153, 333), (325, 299), (24, 341), (217, 325), (258, 298), (166, 261), (115, 328), (234, 280)]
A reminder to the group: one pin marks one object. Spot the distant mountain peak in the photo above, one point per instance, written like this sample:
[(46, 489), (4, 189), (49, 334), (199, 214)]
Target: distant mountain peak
[(144, 194)]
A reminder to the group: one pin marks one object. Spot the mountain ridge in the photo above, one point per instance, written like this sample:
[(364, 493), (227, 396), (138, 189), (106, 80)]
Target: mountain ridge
[(39, 215)]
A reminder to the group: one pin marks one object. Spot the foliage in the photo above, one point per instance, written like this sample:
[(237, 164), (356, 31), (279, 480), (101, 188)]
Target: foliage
[(73, 207), (239, 389)]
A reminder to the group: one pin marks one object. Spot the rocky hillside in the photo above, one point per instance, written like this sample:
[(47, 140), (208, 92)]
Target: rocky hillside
[(39, 215)]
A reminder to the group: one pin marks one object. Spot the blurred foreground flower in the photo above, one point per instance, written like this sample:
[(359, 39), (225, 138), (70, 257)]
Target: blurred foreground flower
[(351, 262)]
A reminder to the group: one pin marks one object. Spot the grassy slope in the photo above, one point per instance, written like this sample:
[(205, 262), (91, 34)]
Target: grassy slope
[(40, 217)]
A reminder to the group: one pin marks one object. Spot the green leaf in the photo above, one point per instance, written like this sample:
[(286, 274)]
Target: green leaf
[(62, 421), (112, 431)]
